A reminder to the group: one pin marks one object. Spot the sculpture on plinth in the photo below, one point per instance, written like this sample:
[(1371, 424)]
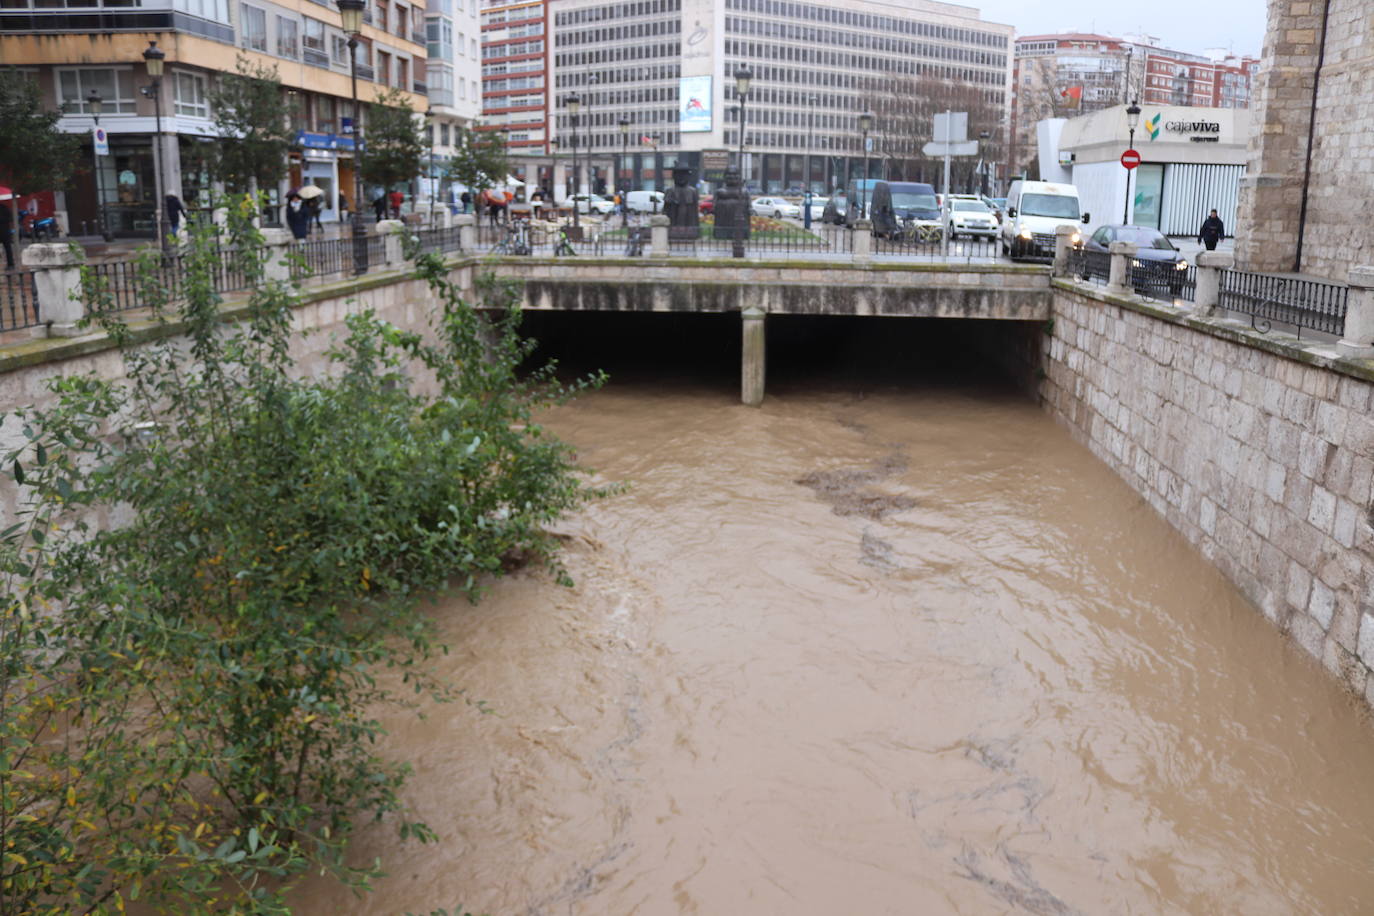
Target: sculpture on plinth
[(732, 208), (680, 206)]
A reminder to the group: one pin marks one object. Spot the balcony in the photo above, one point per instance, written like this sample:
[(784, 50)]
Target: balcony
[(418, 37), (315, 58), (366, 73), (419, 88)]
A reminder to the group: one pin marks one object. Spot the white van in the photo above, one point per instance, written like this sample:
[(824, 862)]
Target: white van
[(644, 201), (1034, 210)]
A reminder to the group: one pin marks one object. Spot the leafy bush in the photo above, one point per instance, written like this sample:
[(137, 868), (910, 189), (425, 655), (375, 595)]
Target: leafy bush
[(216, 561)]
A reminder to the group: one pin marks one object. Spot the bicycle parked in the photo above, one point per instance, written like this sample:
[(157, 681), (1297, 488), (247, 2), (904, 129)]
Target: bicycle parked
[(516, 240)]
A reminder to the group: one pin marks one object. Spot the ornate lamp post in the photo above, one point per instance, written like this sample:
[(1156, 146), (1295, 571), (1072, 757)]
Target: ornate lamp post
[(744, 77), (351, 16), (624, 166), (96, 105), (574, 103), (153, 59), (865, 125), (1132, 121)]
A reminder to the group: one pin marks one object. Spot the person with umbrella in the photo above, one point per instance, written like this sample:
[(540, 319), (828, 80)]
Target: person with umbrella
[(297, 216), (313, 195)]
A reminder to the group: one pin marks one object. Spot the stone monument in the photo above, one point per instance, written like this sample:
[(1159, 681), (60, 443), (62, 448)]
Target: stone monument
[(680, 206), (732, 208)]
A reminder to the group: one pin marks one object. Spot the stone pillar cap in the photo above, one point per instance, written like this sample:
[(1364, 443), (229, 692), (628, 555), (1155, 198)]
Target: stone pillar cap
[(863, 224), (1127, 248), (1221, 259), (1064, 229), (660, 220), (1362, 276), (50, 254), (276, 236), (387, 226), (465, 219)]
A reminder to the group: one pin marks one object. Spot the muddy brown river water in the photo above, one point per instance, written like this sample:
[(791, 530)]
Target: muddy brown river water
[(891, 650)]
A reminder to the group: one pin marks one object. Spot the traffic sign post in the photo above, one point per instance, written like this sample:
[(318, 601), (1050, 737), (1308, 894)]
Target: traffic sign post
[(1130, 159)]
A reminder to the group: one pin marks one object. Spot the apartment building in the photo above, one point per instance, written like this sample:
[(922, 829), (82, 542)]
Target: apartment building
[(1076, 73), (453, 71), (666, 68), (515, 73), (74, 47)]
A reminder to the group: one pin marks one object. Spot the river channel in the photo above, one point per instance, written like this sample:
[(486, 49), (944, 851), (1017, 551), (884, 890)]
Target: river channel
[(891, 644)]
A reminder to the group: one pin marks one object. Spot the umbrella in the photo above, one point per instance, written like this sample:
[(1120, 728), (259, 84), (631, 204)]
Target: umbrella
[(308, 191), (514, 182), (6, 193)]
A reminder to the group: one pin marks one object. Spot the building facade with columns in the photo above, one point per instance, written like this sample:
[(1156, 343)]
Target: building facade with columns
[(1308, 190), (72, 51), (666, 69)]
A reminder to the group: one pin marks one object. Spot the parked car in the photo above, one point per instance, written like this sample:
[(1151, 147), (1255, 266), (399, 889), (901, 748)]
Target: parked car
[(594, 203), (998, 206), (818, 207), (1164, 266), (776, 207), (902, 207), (644, 201), (707, 204), (970, 216)]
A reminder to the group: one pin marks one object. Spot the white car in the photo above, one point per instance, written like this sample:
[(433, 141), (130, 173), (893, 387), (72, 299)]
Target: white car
[(776, 207), (594, 203), (970, 216), (818, 208)]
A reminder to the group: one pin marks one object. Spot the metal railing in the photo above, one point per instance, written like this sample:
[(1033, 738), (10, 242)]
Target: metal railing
[(1163, 280), (438, 239), (1090, 266), (129, 283), (18, 300), (930, 246), (1287, 300)]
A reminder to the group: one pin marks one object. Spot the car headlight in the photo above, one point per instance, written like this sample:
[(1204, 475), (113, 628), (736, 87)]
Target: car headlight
[(1076, 240), (1026, 234), (1135, 262), (1181, 265)]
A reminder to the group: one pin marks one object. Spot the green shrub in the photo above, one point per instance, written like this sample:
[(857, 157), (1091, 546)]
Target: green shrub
[(189, 693)]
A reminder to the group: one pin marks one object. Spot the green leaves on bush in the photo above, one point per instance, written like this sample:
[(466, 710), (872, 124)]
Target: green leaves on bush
[(216, 583)]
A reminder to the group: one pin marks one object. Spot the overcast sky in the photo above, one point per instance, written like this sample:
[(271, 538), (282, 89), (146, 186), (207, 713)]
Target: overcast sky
[(1182, 25)]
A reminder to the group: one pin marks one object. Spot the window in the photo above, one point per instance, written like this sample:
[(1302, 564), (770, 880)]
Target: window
[(403, 73), (314, 35), (253, 27), (443, 134), (189, 92), (340, 50), (116, 88), (384, 68), (324, 114), (287, 37)]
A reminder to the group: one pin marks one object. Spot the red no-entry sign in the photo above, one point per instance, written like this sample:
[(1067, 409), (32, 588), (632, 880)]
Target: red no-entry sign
[(1130, 159)]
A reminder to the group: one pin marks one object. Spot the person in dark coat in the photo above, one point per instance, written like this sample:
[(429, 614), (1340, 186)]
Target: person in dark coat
[(379, 207), (297, 217), (175, 211), (466, 198), (7, 233), (313, 207), (1212, 231)]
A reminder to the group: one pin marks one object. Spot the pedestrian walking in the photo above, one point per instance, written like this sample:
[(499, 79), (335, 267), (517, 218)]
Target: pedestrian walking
[(379, 207), (313, 208), (176, 210), (466, 199), (397, 198), (297, 216), (7, 233), (1212, 231)]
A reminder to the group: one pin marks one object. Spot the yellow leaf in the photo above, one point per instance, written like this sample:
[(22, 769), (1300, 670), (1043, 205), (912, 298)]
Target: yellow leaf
[(201, 829), (259, 798), (71, 796), (310, 718)]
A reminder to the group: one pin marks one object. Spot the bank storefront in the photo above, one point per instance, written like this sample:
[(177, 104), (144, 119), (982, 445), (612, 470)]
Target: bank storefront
[(1192, 160)]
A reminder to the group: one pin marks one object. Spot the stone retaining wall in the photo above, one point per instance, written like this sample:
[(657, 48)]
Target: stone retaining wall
[(1260, 450)]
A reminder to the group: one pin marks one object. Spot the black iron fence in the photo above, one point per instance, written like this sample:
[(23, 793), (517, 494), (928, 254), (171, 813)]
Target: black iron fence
[(1165, 280), (18, 300), (1287, 300), (1090, 266), (439, 239), (928, 244)]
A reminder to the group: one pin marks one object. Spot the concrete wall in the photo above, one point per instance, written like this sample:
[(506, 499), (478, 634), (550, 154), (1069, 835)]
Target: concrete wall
[(1341, 193), (1260, 451)]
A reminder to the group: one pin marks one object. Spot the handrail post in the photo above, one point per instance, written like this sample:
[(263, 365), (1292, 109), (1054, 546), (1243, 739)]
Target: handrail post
[(276, 266), (390, 230), (1123, 253), (1358, 340), (1207, 292), (658, 236), (467, 231), (1063, 244), (863, 240), (57, 287)]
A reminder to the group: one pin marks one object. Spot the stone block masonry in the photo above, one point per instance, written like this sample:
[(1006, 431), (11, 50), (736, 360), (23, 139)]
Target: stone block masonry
[(1259, 451)]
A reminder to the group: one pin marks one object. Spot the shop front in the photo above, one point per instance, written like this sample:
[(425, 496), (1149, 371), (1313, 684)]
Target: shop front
[(319, 165)]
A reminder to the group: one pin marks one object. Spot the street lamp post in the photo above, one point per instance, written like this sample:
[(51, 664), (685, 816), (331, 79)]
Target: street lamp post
[(744, 77), (574, 103), (153, 58), (810, 134), (553, 172), (865, 125), (96, 104), (1132, 121), (351, 16), (433, 129), (624, 166)]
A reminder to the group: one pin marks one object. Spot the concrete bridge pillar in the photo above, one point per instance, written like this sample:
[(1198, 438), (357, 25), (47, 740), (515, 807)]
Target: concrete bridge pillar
[(1207, 295), (1063, 244), (863, 240), (1358, 340), (390, 230), (275, 266), (752, 366), (658, 236), (1123, 253), (467, 231)]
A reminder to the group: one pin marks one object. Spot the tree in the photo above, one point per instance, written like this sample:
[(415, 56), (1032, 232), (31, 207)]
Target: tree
[(253, 120), (905, 109), (481, 160), (34, 154), (394, 143)]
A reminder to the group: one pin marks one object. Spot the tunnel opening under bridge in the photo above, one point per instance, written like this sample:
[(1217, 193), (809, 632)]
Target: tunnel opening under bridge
[(803, 352)]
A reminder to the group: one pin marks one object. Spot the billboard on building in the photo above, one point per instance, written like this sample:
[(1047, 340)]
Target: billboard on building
[(694, 104)]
